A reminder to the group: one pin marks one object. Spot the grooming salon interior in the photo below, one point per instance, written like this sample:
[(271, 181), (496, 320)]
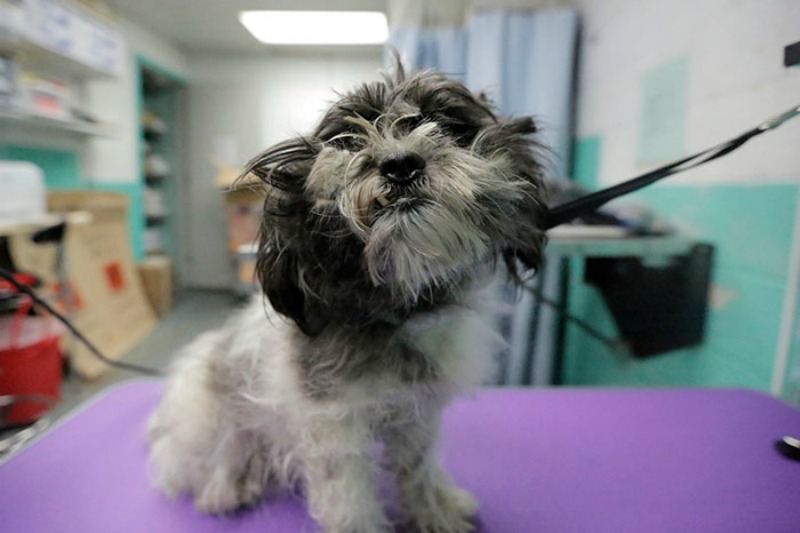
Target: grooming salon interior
[(650, 369)]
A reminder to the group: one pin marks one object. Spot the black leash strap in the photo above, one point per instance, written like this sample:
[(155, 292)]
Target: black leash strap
[(586, 204), (8, 276)]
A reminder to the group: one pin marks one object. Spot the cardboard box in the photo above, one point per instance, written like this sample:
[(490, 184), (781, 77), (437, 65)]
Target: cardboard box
[(156, 275), (108, 302)]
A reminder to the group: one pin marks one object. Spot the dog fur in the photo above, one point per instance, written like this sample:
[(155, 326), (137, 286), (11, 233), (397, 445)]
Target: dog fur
[(380, 232)]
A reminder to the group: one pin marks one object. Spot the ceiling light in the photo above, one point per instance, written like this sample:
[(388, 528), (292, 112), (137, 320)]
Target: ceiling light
[(316, 27)]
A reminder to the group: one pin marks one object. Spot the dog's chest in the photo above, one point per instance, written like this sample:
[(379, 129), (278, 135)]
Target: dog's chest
[(458, 342)]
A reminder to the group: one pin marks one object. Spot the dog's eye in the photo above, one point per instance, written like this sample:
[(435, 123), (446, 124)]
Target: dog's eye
[(461, 131), (411, 122), (347, 141)]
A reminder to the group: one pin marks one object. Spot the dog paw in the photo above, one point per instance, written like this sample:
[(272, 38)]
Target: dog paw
[(221, 495), (445, 510), (229, 500)]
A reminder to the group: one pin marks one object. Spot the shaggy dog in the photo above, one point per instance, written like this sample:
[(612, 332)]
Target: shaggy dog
[(380, 231)]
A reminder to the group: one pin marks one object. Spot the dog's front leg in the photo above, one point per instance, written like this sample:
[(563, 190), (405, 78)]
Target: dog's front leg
[(431, 500), (340, 476)]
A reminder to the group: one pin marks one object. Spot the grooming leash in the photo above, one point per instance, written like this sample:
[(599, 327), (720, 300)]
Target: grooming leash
[(586, 204)]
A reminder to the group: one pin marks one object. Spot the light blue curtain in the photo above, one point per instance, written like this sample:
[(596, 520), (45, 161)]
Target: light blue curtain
[(524, 60), (443, 49)]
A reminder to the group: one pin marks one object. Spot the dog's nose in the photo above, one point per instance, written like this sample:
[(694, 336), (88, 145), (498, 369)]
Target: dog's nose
[(402, 167)]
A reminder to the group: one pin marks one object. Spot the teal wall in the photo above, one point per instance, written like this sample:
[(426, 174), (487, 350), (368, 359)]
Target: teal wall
[(751, 228), (61, 168), (791, 385), (62, 172)]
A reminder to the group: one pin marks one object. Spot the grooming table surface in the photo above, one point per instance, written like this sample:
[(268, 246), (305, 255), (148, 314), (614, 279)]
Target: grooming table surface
[(537, 461)]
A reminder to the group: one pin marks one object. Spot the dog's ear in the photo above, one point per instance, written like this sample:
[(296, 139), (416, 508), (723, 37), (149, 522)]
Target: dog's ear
[(528, 159), (283, 170), (515, 137)]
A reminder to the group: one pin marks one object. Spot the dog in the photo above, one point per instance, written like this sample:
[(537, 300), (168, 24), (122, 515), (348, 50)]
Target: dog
[(380, 232)]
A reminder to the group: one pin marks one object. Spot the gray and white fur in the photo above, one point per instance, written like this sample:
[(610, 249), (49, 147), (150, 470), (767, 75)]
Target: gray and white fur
[(380, 232)]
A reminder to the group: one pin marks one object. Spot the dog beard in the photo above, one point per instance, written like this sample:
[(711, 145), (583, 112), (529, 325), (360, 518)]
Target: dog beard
[(431, 231)]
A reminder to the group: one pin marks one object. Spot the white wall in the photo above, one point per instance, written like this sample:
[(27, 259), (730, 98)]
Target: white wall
[(736, 79), (238, 106), (116, 160)]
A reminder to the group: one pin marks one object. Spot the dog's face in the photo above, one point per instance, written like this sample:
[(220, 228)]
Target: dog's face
[(405, 190)]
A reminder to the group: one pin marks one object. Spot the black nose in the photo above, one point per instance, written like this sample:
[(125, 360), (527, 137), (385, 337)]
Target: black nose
[(402, 167)]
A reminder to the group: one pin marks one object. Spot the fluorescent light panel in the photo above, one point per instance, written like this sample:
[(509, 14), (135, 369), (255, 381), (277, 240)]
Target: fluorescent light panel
[(316, 27)]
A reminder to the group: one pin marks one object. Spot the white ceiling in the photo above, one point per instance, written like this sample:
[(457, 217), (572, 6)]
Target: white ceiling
[(213, 25)]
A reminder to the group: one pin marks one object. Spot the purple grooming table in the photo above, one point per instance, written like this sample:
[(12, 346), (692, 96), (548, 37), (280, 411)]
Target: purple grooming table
[(537, 461)]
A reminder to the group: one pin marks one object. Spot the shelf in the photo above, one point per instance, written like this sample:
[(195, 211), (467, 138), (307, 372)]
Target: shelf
[(39, 123), (159, 126), (45, 61), (561, 243), (60, 39)]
